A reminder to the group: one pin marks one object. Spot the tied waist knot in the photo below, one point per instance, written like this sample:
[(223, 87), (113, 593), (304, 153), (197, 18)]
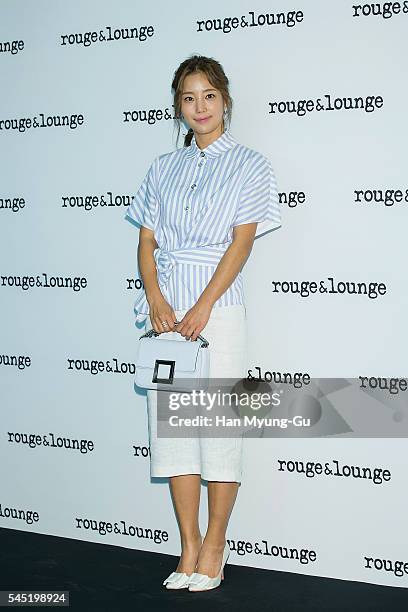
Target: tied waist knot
[(165, 262)]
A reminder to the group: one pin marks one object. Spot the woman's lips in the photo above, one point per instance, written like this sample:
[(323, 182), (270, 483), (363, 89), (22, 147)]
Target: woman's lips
[(203, 120)]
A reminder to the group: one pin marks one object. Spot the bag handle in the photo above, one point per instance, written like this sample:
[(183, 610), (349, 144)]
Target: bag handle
[(152, 332)]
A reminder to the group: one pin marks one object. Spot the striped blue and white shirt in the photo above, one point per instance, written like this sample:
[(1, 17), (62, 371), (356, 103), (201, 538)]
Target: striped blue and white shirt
[(192, 198)]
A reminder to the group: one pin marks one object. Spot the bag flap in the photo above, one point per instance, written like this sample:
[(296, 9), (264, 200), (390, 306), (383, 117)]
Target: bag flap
[(183, 352)]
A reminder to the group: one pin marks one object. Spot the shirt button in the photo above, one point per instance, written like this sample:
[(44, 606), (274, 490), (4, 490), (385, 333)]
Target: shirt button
[(193, 185), (186, 207), (202, 154)]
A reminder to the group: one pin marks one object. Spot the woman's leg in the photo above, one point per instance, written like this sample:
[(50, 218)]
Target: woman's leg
[(221, 458), (221, 499), (185, 491), (178, 459)]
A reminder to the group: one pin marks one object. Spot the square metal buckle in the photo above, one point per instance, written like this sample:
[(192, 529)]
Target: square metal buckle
[(159, 362)]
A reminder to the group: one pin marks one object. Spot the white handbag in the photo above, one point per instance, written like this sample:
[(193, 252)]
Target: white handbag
[(172, 365)]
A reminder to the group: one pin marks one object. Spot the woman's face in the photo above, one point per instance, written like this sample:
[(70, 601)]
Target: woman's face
[(202, 105)]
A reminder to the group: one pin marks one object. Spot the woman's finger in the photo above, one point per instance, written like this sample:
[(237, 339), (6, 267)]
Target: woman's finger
[(166, 321), (196, 333), (164, 324), (190, 331)]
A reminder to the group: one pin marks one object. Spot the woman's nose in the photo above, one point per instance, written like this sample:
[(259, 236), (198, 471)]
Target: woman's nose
[(200, 105)]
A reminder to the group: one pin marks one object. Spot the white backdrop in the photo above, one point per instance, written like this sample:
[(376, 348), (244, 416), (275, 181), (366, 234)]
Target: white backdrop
[(333, 162)]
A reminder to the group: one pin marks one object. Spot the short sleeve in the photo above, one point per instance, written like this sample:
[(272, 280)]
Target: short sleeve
[(143, 208), (259, 199)]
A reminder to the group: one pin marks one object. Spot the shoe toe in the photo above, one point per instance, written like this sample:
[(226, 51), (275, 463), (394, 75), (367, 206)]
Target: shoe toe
[(176, 580), (200, 582)]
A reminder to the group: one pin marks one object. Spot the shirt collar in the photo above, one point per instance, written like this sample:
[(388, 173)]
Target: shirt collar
[(219, 146)]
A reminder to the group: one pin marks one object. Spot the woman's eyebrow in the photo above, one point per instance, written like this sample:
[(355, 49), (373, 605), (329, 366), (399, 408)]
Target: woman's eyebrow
[(191, 92)]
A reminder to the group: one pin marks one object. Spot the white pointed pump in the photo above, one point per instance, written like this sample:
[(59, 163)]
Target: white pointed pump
[(202, 582), (178, 580)]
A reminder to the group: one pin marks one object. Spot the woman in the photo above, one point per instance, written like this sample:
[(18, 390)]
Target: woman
[(199, 209)]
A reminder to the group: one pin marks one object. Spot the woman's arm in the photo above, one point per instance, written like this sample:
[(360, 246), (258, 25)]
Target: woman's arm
[(147, 264), (225, 273), (160, 309), (230, 264)]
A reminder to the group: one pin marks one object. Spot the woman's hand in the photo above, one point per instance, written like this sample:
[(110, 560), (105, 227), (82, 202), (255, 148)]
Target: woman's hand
[(194, 321), (161, 312)]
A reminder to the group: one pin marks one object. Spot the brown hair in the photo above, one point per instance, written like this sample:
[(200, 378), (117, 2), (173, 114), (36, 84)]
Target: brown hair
[(215, 75)]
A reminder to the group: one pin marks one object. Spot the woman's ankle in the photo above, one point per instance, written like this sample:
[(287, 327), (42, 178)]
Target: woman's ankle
[(191, 540), (214, 542)]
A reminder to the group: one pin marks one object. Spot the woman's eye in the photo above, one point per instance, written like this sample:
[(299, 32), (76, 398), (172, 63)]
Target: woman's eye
[(188, 98)]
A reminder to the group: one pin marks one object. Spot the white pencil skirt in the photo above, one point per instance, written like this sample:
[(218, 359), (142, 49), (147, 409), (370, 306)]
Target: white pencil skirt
[(214, 458)]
